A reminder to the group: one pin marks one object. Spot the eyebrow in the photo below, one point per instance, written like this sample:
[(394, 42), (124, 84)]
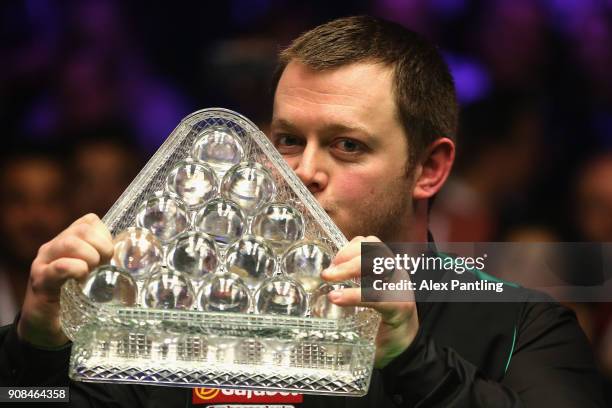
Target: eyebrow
[(331, 128)]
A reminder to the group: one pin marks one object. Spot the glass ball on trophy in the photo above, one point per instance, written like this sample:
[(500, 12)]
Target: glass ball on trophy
[(221, 219), (218, 146), (193, 183), (304, 262), (251, 259), (224, 292), (250, 185), (281, 295), (137, 251), (111, 285), (163, 216), (193, 253), (168, 289), (279, 224), (321, 306)]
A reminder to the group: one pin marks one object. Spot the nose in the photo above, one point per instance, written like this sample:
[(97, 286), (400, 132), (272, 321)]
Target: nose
[(311, 169)]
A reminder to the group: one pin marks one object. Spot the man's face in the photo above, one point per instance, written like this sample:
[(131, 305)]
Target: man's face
[(33, 206), (338, 129), (594, 197)]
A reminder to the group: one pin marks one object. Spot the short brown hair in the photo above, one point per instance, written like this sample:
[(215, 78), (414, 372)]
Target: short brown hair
[(423, 86)]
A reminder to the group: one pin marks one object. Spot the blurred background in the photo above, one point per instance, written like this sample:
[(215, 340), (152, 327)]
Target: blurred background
[(89, 89)]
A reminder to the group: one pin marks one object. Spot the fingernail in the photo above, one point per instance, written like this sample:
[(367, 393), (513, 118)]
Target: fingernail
[(335, 295)]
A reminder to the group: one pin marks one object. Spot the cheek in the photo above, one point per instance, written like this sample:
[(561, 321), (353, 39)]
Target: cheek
[(292, 161), (357, 186)]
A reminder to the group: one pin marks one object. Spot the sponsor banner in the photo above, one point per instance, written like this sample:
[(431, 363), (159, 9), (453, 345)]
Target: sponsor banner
[(250, 406), (217, 395)]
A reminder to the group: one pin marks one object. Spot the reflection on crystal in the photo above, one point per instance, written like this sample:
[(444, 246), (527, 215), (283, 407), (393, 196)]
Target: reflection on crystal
[(250, 185), (194, 253), (280, 224), (222, 349), (165, 348), (249, 351), (137, 251), (168, 289), (194, 183), (191, 347), (224, 292), (109, 284), (222, 220), (304, 262), (281, 295), (321, 306), (277, 352), (251, 259), (219, 147), (163, 216)]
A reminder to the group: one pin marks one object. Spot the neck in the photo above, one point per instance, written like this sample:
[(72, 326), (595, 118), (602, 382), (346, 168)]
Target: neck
[(415, 226)]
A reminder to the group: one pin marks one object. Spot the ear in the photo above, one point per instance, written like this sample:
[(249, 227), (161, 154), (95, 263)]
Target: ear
[(434, 168)]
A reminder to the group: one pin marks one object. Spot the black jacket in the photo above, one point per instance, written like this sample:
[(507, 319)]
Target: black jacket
[(519, 354)]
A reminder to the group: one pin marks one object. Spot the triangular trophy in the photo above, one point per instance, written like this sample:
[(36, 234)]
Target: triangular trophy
[(214, 281)]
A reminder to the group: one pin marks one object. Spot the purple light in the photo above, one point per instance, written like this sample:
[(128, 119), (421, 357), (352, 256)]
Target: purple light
[(471, 79)]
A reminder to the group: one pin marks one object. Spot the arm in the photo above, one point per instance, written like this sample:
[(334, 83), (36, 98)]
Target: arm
[(34, 350), (551, 362), (551, 366), (21, 364)]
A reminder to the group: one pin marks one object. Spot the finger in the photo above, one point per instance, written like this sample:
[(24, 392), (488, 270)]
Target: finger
[(63, 269), (50, 278), (71, 246), (350, 250), (96, 236), (99, 226), (90, 219), (388, 310), (344, 271), (95, 222)]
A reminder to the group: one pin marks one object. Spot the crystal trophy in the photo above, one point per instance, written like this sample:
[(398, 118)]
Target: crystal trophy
[(215, 278)]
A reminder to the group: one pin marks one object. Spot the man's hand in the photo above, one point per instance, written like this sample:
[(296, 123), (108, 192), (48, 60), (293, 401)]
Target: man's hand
[(400, 320), (77, 250)]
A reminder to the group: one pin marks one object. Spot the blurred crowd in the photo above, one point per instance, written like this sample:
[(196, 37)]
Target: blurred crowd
[(89, 89)]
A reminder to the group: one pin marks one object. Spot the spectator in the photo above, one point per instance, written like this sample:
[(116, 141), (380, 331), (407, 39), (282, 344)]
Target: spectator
[(32, 210)]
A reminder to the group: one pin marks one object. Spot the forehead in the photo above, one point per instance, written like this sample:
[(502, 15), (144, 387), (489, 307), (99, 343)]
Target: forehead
[(356, 94), (32, 174)]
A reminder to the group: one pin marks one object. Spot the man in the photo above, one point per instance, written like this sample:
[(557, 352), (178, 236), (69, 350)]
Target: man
[(33, 210), (365, 113)]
